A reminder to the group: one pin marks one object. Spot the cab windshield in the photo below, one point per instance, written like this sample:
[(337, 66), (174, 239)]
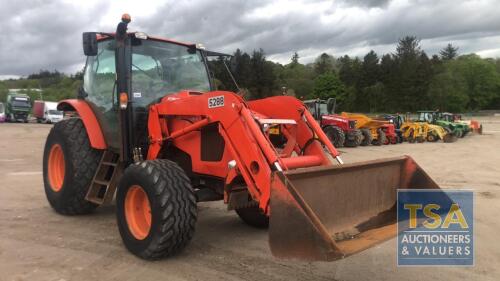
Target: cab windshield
[(323, 109), (160, 68), (426, 117), (21, 103)]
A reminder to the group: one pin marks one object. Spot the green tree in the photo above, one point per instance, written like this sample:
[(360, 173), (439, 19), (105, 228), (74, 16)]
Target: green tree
[(262, 78), (481, 79), (369, 92), (294, 60), (328, 85), (447, 92), (299, 79), (324, 64), (449, 52)]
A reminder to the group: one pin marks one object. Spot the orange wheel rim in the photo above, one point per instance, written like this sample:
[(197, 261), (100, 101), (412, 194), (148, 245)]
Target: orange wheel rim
[(138, 212), (56, 167)]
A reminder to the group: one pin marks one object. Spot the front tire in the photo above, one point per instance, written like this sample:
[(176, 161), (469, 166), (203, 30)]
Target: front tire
[(367, 137), (381, 139), (336, 135), (156, 209), (69, 164), (253, 216), (358, 138)]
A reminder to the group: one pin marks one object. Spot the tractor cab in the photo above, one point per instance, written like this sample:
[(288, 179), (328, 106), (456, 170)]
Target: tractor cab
[(151, 68), (428, 116), (451, 117), (320, 108), (396, 119)]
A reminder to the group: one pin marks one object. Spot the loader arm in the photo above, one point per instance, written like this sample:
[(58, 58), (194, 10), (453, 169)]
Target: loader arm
[(243, 133)]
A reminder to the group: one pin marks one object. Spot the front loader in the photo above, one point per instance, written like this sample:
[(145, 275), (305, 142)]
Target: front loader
[(152, 129)]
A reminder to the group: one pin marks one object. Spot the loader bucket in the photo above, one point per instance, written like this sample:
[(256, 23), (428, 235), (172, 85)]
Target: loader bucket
[(328, 213)]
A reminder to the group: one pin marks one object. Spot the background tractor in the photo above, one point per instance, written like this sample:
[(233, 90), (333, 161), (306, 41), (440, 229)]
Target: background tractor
[(456, 119), (436, 118), (340, 130), (153, 130), (397, 120), (377, 132), (474, 125)]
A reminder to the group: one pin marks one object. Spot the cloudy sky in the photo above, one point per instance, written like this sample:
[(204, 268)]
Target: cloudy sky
[(46, 34)]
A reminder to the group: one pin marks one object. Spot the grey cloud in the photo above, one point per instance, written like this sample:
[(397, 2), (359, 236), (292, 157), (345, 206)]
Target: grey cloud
[(48, 33), (366, 3), (42, 35)]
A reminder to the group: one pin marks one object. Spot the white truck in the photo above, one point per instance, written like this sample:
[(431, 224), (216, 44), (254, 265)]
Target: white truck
[(46, 111)]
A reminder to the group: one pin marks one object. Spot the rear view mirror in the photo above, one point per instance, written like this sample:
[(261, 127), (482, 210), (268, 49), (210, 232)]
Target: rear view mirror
[(330, 105), (90, 43)]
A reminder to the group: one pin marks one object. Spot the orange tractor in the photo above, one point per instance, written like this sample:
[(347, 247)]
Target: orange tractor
[(152, 130)]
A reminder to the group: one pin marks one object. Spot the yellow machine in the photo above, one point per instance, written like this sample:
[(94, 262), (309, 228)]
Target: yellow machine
[(422, 131), (377, 132)]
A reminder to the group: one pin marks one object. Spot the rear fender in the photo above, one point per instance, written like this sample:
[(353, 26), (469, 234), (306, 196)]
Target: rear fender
[(89, 119)]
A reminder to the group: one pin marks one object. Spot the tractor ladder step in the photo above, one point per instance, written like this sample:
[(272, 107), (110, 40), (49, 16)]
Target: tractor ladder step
[(105, 180)]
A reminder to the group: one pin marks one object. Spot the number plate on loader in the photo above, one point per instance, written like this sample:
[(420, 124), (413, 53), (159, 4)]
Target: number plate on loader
[(217, 101)]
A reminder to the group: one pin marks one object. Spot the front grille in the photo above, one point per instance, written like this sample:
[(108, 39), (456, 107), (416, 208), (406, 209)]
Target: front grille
[(352, 124)]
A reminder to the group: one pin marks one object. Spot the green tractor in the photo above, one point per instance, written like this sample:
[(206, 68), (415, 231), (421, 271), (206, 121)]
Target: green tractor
[(455, 119), (443, 120)]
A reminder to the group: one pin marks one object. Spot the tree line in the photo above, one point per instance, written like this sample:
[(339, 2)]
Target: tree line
[(405, 80)]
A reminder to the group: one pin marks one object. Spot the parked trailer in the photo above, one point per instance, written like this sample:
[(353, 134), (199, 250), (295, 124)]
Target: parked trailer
[(46, 111)]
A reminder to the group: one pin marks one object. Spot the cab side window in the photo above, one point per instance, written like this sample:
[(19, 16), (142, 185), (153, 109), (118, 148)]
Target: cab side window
[(100, 74)]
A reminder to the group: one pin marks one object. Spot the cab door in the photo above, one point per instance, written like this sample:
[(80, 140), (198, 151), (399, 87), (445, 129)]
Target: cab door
[(99, 86)]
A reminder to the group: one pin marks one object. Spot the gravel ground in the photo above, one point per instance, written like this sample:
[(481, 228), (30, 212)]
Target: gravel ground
[(38, 244)]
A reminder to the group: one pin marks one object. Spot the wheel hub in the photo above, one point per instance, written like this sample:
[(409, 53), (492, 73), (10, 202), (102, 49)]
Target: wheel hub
[(138, 212), (56, 167)]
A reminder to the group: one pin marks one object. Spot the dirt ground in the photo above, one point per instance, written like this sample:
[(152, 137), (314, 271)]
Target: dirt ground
[(38, 244)]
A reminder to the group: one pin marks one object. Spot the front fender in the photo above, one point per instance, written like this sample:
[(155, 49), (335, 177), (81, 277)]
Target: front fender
[(88, 118)]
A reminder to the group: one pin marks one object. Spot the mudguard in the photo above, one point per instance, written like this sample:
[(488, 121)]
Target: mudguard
[(89, 119)]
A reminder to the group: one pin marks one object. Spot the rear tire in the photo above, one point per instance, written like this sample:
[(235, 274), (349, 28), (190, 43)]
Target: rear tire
[(335, 135), (253, 217), (156, 209), (357, 139), (367, 137), (381, 139), (69, 165), (431, 138)]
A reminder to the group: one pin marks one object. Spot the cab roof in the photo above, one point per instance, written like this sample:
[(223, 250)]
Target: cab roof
[(103, 36)]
